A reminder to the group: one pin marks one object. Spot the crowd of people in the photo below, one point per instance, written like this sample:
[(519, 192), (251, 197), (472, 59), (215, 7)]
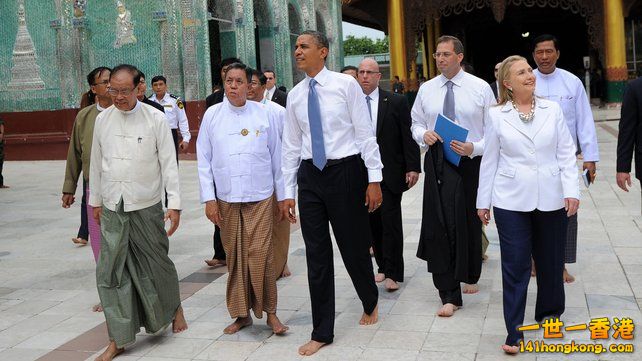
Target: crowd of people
[(344, 150)]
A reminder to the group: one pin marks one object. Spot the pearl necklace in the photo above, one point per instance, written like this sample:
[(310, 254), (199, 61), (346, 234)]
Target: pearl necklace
[(526, 118)]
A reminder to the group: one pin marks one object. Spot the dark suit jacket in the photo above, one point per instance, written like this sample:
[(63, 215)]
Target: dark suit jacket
[(279, 97), (493, 86), (629, 139), (214, 98), (399, 152)]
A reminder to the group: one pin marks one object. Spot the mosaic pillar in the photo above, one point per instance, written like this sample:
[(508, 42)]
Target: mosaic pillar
[(332, 16), (189, 23), (397, 40), (67, 63), (616, 70), (283, 48), (170, 39), (244, 25)]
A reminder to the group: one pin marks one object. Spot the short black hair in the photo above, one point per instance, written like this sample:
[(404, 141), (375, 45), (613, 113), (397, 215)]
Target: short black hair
[(227, 61), (241, 66), (457, 44), (159, 78), (142, 75), (258, 74), (269, 71), (91, 77), (349, 67), (546, 37), (319, 38), (130, 69)]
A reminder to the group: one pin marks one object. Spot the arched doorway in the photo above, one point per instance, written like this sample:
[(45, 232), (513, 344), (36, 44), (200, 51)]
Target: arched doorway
[(264, 35), (294, 23), (488, 41), (220, 21)]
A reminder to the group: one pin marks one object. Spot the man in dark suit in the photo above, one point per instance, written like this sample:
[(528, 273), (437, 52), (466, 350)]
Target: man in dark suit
[(630, 135), (493, 85), (217, 96), (390, 115), (272, 92)]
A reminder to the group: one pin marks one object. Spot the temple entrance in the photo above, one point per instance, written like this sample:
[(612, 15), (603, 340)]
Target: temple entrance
[(221, 35), (487, 42)]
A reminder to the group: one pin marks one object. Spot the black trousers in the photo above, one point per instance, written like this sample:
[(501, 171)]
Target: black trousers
[(449, 287), (83, 231), (219, 251), (175, 136), (387, 235), (335, 195), (542, 235)]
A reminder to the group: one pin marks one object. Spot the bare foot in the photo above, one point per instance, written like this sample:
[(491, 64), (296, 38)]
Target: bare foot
[(286, 271), (215, 262), (97, 308), (511, 350), (484, 258), (4, 186), (179, 324), (391, 285), (470, 289), (568, 278), (80, 241), (277, 327), (237, 325), (379, 277), (310, 348), (533, 272), (447, 310), (111, 352), (370, 319)]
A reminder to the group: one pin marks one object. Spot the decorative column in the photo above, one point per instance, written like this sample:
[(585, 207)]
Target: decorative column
[(171, 54), (397, 40), (245, 42), (616, 70), (282, 46), (432, 69), (335, 34)]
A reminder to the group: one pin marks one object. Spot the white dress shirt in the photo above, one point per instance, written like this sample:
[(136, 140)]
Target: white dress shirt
[(568, 91), (175, 114), (269, 93), (473, 98), (347, 129), (278, 112), (132, 157), (527, 166), (239, 154), (374, 106)]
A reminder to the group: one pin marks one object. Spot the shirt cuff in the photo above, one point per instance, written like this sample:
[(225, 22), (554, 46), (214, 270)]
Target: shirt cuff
[(477, 150), (69, 187), (95, 201), (374, 175), (174, 204), (290, 192)]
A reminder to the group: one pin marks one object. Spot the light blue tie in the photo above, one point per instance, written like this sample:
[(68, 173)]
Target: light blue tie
[(368, 99), (449, 101), (316, 129)]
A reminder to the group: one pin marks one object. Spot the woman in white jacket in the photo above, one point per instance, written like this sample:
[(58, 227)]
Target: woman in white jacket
[(528, 174)]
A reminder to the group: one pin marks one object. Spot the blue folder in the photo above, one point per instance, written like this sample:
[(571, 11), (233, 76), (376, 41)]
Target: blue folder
[(448, 131)]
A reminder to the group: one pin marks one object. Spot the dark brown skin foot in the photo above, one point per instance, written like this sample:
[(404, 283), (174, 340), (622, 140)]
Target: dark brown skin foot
[(214, 263), (370, 319), (110, 353), (237, 325), (179, 324), (277, 327), (310, 348)]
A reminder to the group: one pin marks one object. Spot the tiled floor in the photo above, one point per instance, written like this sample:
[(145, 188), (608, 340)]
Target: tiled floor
[(47, 285)]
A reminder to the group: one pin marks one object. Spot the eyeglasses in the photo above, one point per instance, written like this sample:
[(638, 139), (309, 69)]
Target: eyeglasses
[(368, 72), (116, 92), (444, 54), (255, 84), (104, 82)]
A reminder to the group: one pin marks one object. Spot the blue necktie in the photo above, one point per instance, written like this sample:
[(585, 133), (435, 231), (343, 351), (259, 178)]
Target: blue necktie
[(316, 129), (368, 99), (449, 101)]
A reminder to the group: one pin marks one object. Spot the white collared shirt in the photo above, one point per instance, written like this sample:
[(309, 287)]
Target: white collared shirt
[(278, 112), (473, 98), (347, 129), (175, 113), (568, 91), (269, 93), (374, 106), (132, 157), (239, 154)]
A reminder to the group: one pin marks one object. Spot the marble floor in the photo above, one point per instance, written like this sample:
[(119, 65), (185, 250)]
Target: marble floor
[(47, 285)]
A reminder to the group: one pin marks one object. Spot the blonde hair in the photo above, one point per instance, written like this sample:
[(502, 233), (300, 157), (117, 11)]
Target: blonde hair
[(504, 74)]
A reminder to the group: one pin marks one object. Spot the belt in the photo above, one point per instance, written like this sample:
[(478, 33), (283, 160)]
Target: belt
[(333, 162)]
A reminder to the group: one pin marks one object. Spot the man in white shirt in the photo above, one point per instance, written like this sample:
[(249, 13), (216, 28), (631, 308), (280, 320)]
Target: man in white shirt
[(174, 112), (390, 116), (465, 99), (322, 154), (281, 227), (239, 168), (567, 90), (272, 92), (131, 164)]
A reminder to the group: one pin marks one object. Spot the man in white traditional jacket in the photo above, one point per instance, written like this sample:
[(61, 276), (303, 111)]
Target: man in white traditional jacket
[(132, 165), (568, 91), (239, 168)]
